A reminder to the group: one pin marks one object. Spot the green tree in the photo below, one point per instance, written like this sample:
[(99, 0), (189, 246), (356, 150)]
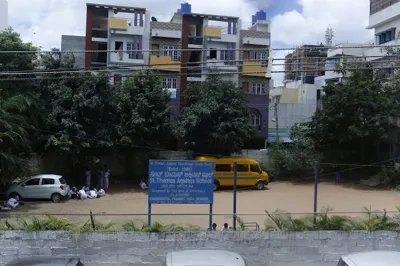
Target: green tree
[(14, 148), (79, 110), (143, 107), (294, 159), (217, 119), (354, 117), (13, 61)]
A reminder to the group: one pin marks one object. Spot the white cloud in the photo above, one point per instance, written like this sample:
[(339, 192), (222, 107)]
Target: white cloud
[(347, 18)]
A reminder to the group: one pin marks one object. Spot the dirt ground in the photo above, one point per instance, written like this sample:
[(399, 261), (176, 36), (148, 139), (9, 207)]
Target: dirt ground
[(284, 196)]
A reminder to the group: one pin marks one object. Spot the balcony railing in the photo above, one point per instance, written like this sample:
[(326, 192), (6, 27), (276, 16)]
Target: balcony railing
[(195, 40)]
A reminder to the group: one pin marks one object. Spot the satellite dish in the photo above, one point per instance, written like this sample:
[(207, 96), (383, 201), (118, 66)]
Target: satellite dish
[(153, 19)]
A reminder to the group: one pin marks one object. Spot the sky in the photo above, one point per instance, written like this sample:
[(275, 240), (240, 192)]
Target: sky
[(294, 22)]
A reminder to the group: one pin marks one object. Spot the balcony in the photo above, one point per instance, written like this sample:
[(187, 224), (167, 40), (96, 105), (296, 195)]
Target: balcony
[(123, 26), (224, 66), (164, 63), (196, 40), (126, 58), (250, 67), (213, 32)]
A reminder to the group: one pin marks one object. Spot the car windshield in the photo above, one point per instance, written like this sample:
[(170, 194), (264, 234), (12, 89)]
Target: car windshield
[(255, 168), (62, 180)]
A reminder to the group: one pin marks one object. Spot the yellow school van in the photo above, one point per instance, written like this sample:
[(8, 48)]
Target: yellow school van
[(248, 171)]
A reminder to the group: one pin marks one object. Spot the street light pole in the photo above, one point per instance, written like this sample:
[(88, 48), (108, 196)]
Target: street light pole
[(276, 119)]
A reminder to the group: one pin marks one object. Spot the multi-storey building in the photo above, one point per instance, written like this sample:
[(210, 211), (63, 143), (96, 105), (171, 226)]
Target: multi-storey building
[(384, 19), (185, 50), (191, 45), (307, 60)]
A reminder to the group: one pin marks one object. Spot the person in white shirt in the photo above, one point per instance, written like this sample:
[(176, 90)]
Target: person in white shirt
[(101, 193), (82, 194), (72, 193), (86, 188), (142, 185), (12, 203), (92, 194), (225, 227)]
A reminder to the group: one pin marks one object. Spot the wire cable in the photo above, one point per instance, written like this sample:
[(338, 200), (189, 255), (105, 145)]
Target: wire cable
[(301, 48)]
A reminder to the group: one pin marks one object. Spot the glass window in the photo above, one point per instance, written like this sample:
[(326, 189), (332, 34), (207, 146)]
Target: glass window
[(258, 89), (242, 168), (172, 51), (48, 181), (222, 167), (32, 182), (170, 83), (62, 180), (255, 168)]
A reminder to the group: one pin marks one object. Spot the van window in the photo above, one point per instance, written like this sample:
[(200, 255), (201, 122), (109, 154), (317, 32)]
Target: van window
[(255, 168), (222, 167), (242, 168)]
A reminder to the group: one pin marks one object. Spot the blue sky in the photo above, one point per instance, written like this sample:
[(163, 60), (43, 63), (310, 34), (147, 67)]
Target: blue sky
[(277, 7)]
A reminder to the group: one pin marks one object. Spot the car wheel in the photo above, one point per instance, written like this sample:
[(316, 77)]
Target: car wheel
[(56, 198), (14, 195), (260, 185), (216, 185)]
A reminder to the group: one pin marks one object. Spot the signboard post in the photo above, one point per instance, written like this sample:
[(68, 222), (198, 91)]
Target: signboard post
[(181, 182)]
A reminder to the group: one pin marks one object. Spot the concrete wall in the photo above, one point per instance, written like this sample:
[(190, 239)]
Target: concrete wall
[(74, 43), (3, 14), (260, 248)]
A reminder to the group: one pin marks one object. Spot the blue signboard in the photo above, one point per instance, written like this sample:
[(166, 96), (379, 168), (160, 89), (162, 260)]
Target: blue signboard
[(181, 182)]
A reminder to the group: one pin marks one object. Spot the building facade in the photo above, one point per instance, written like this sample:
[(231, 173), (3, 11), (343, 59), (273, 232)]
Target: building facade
[(3, 14), (185, 50), (307, 60)]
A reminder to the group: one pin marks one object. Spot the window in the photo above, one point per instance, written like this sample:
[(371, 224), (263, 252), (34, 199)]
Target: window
[(32, 182), (386, 36), (170, 83), (213, 53), (48, 181), (119, 45), (255, 168), (224, 55), (134, 47), (222, 167), (246, 54), (171, 51), (245, 87), (256, 119), (330, 64), (62, 180), (242, 168), (258, 89)]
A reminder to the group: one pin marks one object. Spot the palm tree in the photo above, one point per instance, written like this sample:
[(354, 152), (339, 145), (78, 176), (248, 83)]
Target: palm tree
[(13, 135)]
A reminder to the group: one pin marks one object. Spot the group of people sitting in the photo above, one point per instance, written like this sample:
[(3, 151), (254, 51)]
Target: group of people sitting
[(86, 193)]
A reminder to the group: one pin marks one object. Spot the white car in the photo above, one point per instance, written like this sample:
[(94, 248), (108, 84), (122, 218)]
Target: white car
[(52, 187), (371, 258), (204, 258)]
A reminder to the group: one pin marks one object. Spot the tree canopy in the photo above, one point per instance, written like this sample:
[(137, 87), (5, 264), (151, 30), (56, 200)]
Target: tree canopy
[(217, 119)]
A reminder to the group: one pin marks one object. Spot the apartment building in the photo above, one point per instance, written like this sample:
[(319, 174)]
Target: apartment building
[(307, 60), (208, 44), (184, 50)]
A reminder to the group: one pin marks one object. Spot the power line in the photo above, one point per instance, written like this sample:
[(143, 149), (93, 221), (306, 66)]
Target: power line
[(177, 73), (204, 49)]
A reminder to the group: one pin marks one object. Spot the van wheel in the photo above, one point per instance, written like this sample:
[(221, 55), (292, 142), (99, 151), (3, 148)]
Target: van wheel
[(260, 185), (216, 185), (56, 198)]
